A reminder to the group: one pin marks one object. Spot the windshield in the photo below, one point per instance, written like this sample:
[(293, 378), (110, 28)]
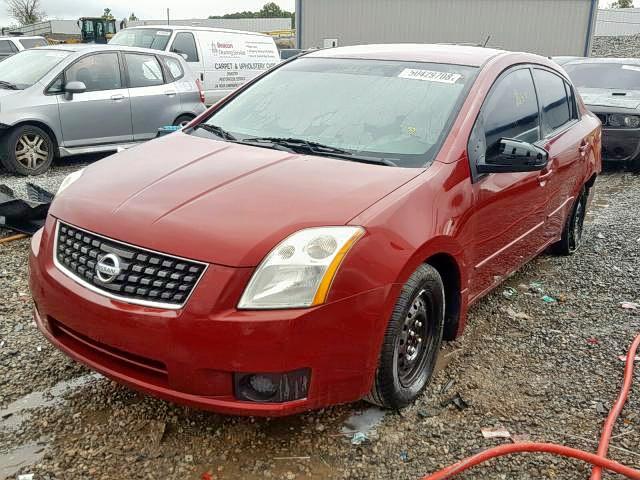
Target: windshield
[(616, 76), (383, 109), (142, 37), (29, 66)]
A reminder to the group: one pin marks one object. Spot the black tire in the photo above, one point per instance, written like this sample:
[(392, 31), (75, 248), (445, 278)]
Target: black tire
[(572, 233), (182, 120), (402, 375), (27, 150)]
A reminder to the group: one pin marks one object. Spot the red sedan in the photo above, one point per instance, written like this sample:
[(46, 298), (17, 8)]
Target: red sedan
[(312, 238)]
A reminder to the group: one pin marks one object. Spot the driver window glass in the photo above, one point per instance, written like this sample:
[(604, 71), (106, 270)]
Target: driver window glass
[(511, 111), (97, 72), (185, 44), (553, 97)]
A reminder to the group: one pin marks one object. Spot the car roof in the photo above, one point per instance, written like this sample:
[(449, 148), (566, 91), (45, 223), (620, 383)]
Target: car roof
[(189, 27), (21, 37), (410, 52), (600, 60), (88, 47)]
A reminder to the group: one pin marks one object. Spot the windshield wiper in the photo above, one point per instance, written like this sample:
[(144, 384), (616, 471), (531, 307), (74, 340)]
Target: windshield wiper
[(216, 130), (317, 148), (8, 85)]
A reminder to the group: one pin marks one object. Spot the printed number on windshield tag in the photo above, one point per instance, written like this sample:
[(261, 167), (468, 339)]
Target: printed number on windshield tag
[(429, 75)]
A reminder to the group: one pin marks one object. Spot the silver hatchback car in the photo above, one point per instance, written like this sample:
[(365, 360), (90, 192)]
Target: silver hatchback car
[(71, 99)]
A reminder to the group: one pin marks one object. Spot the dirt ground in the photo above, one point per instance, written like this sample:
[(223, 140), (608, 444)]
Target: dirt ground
[(547, 371)]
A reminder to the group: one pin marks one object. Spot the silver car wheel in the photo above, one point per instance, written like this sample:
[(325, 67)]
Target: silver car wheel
[(32, 150)]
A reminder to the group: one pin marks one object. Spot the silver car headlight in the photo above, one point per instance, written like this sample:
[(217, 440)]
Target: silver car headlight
[(68, 180), (299, 271)]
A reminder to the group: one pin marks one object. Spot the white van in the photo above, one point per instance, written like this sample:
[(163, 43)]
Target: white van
[(222, 59)]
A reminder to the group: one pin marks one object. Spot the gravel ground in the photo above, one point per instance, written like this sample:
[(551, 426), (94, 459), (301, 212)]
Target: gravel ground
[(549, 371)]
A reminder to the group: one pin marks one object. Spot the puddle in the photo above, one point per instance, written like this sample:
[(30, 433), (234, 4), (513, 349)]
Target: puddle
[(17, 412), (364, 422), (26, 454)]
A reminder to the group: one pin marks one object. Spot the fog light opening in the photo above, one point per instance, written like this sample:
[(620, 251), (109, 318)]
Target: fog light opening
[(272, 387)]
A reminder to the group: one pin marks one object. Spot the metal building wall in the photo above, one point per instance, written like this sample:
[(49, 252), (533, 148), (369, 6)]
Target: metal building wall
[(246, 24), (617, 21), (547, 27)]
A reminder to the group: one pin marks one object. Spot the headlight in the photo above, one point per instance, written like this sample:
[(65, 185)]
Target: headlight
[(69, 179), (620, 120), (299, 271)]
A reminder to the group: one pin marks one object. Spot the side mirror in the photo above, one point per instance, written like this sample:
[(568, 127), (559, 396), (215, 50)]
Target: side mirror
[(73, 87), (515, 156)]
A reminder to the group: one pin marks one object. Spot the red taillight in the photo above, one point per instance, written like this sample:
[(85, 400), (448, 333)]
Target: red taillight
[(200, 90)]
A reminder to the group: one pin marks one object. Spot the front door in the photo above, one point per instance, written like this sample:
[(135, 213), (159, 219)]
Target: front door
[(154, 102), (102, 114), (509, 208)]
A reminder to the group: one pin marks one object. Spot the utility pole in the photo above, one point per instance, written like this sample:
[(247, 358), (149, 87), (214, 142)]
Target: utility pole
[(167, 16)]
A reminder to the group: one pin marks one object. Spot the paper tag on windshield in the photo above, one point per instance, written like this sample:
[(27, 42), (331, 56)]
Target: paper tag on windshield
[(635, 68), (429, 75), (163, 33)]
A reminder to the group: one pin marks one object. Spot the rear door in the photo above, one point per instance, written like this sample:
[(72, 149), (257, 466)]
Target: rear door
[(563, 139), (154, 96), (102, 114), (232, 59), (509, 208)]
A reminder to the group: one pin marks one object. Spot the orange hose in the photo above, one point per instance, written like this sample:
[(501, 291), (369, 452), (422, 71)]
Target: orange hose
[(599, 459), (603, 447)]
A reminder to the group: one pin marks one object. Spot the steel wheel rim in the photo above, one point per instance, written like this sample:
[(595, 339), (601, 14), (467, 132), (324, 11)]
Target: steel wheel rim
[(415, 342), (32, 150), (578, 224)]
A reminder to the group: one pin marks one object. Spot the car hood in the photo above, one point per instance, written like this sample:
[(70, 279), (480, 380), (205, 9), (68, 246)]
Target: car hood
[(604, 97), (219, 202)]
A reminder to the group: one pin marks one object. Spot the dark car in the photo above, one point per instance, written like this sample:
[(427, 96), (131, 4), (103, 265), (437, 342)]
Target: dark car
[(610, 88), (313, 237)]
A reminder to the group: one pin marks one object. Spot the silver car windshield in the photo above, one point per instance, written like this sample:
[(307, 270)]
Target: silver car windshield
[(27, 67), (392, 110), (142, 37)]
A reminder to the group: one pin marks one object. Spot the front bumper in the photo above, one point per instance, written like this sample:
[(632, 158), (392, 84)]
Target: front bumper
[(189, 355)]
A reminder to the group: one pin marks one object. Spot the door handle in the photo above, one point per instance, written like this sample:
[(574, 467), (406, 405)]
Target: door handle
[(170, 93), (543, 177), (117, 98), (202, 76)]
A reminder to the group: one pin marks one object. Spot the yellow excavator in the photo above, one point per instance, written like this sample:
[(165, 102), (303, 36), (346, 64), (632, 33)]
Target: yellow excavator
[(96, 29)]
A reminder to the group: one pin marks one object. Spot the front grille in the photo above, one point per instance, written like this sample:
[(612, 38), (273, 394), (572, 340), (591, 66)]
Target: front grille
[(145, 277)]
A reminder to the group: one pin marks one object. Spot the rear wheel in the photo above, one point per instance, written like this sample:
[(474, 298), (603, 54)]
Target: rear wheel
[(411, 342), (27, 150), (572, 233), (183, 120)]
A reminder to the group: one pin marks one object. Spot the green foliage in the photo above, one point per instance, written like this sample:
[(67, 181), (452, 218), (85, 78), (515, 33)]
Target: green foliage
[(268, 10), (107, 14), (622, 4)]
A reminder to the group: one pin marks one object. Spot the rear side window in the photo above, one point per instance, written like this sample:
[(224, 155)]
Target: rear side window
[(7, 47), (143, 70), (185, 44), (98, 72), (553, 100), (174, 67), (33, 42), (511, 111)]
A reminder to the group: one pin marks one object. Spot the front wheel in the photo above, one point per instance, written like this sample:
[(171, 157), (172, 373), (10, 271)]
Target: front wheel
[(411, 342), (183, 120), (572, 233), (27, 150)]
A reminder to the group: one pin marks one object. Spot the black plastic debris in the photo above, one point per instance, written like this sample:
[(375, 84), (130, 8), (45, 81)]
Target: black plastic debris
[(457, 401), (24, 216)]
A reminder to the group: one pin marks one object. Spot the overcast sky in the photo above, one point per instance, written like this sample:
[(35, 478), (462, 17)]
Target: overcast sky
[(156, 9), (146, 9)]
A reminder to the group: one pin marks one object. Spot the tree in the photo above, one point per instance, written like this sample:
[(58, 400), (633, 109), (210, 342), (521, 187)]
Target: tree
[(107, 14), (272, 10), (622, 4), (25, 12), (132, 17)]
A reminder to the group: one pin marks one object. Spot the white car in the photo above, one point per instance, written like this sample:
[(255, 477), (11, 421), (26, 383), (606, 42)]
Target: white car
[(12, 45), (222, 59)]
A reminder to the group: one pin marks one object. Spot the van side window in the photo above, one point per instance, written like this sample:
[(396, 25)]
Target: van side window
[(553, 99), (511, 111), (185, 44)]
